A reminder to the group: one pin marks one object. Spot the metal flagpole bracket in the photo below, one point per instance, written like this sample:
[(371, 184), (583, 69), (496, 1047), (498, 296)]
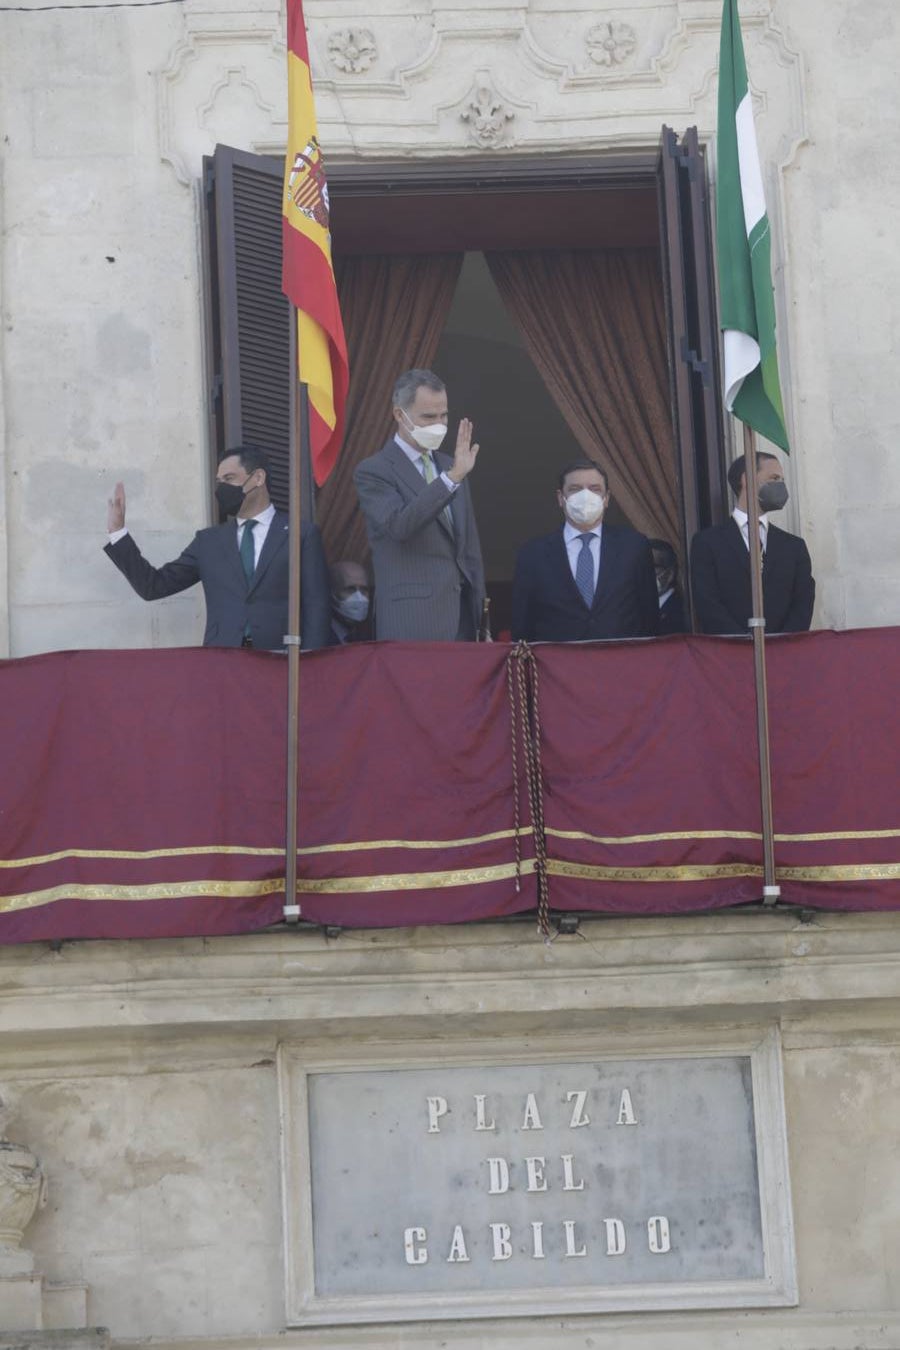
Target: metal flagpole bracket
[(756, 623), (771, 895), (292, 640), (291, 913)]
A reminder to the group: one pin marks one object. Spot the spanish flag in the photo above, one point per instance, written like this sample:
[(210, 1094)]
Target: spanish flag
[(307, 277)]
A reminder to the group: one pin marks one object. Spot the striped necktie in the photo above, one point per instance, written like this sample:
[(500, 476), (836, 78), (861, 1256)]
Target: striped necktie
[(584, 570)]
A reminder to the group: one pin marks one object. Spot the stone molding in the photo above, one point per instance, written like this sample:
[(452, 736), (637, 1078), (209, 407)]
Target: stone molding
[(715, 967), (403, 86), (352, 50)]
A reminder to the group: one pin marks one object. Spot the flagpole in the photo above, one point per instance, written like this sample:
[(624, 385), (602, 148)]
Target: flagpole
[(757, 624), (299, 440)]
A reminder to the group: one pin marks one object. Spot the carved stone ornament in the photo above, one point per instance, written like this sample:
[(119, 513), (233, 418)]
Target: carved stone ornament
[(488, 117), (22, 1188), (609, 44), (352, 49)]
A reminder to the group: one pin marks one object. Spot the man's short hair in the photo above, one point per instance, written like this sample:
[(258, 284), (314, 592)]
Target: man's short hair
[(252, 457), (582, 464), (665, 548), (738, 467), (410, 382)]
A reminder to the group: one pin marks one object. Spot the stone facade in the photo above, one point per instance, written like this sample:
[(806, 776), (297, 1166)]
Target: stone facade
[(107, 116), (146, 1078)]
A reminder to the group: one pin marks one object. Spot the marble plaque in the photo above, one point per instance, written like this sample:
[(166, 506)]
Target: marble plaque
[(557, 1183)]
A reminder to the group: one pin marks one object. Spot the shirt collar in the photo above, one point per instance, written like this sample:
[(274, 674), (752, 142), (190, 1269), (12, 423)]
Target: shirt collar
[(741, 517), (264, 518), (414, 455), (570, 533), (665, 595)]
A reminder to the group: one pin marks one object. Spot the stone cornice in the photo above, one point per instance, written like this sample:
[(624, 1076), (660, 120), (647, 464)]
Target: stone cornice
[(481, 979)]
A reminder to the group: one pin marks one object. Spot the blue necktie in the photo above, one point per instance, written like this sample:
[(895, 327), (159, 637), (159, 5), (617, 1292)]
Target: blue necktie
[(584, 570), (248, 552)]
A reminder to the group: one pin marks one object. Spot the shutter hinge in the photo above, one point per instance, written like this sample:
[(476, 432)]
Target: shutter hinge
[(209, 178), (690, 358), (215, 392)]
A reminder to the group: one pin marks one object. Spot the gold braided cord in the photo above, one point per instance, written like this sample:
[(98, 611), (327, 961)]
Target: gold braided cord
[(526, 723)]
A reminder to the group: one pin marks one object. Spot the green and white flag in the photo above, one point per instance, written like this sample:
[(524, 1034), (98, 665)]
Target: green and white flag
[(746, 300)]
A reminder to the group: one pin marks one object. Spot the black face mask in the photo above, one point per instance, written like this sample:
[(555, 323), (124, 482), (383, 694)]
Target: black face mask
[(230, 497), (773, 496)]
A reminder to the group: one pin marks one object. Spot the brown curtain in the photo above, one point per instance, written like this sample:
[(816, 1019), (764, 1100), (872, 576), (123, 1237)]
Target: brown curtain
[(594, 324), (394, 310)]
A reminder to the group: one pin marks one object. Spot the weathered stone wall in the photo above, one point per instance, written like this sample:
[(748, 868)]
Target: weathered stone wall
[(106, 116), (144, 1077)]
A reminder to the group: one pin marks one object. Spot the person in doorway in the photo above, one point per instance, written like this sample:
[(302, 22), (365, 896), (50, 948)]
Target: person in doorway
[(426, 555), (720, 562), (242, 565), (350, 600), (587, 579), (671, 606)]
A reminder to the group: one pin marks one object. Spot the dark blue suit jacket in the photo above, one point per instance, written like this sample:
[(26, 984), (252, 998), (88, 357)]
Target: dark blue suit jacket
[(720, 581), (233, 604), (547, 605)]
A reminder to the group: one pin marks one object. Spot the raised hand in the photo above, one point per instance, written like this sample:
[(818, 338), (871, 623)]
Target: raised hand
[(115, 510), (466, 453)]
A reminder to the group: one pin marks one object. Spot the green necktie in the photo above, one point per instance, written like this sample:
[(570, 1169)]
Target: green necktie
[(248, 552), (429, 475)]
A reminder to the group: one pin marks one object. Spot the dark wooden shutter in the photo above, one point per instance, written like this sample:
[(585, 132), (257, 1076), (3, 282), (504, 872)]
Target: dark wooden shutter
[(248, 317), (688, 272)]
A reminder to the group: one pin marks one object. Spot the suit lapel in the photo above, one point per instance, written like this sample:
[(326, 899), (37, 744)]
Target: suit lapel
[(231, 558), (408, 473), (275, 540), (735, 537), (609, 564), (404, 468), (559, 560), (457, 513)]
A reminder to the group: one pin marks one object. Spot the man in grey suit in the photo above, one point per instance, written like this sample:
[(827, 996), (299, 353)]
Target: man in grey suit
[(429, 579), (242, 566)]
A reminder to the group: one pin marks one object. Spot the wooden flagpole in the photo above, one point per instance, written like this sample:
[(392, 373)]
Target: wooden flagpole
[(771, 890), (299, 442)]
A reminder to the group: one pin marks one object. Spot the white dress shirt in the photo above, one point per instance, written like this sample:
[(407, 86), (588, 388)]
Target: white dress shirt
[(742, 520), (263, 521), (414, 455), (573, 537), (261, 529)]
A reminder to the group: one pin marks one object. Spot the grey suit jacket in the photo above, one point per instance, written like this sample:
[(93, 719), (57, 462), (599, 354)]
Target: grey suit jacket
[(421, 566), (232, 604)]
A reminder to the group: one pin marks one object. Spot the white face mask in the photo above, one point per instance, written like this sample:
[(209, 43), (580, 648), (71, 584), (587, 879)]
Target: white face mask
[(428, 438), (354, 607), (585, 507)]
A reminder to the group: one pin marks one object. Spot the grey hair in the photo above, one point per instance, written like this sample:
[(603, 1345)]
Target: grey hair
[(410, 382)]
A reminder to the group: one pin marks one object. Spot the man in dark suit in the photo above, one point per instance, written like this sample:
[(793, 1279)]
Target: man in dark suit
[(720, 562), (671, 606), (350, 596), (587, 579), (426, 556), (242, 565)]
